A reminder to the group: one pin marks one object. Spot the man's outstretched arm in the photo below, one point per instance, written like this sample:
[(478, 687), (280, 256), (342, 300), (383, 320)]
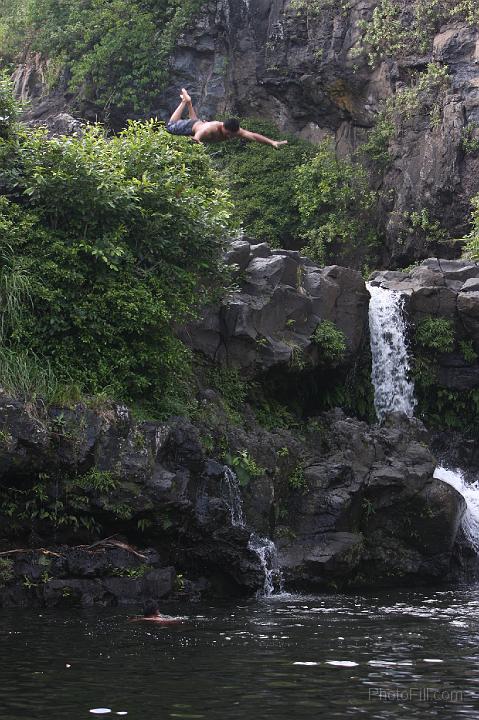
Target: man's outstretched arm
[(256, 137)]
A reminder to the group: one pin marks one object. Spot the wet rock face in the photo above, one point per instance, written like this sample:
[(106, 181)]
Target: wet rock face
[(83, 493), (446, 289), (372, 513), (283, 297), (70, 477)]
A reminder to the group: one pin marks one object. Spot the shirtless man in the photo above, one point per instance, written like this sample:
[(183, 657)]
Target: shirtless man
[(213, 131)]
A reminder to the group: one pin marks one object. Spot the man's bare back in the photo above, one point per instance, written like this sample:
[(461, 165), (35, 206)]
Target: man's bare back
[(214, 130)]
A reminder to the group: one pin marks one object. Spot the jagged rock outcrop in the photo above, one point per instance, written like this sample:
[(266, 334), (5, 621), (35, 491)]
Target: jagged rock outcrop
[(264, 58), (282, 299), (444, 289), (68, 477), (371, 512), (95, 508)]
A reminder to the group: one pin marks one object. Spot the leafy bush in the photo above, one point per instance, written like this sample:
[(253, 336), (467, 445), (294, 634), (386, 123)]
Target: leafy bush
[(424, 95), (260, 181), (330, 341), (335, 205), (396, 28), (468, 352), (116, 52), (471, 248), (115, 241), (436, 334), (297, 480), (6, 571), (245, 467)]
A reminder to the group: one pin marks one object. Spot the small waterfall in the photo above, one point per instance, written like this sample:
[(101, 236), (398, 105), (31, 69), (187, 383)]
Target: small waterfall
[(393, 390), (470, 493), (267, 553), (232, 497), (264, 548)]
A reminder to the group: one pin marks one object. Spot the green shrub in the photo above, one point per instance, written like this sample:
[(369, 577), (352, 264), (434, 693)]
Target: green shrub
[(232, 388), (115, 52), (6, 571), (436, 334), (245, 467), (468, 352), (336, 207), (260, 181), (396, 29), (471, 247), (297, 480), (108, 245), (330, 341)]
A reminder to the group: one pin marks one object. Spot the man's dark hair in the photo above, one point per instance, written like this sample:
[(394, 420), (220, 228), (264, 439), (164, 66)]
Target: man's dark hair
[(150, 607), (232, 124)]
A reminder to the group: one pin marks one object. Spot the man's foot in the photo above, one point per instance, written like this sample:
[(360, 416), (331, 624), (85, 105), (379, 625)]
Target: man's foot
[(185, 96)]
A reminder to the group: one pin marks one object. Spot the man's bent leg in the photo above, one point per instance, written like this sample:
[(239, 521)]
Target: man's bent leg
[(178, 112)]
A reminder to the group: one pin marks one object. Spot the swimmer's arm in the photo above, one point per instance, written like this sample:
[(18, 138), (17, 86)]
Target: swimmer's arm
[(256, 137)]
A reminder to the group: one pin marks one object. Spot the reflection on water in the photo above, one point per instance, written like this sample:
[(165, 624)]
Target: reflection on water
[(391, 655)]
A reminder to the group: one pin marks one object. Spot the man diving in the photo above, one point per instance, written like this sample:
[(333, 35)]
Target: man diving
[(213, 131)]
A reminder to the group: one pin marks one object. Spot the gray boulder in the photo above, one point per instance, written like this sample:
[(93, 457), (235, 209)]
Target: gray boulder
[(271, 319)]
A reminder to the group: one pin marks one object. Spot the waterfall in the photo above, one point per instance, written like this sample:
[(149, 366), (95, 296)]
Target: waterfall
[(232, 497), (393, 390), (264, 548), (267, 553), (470, 493)]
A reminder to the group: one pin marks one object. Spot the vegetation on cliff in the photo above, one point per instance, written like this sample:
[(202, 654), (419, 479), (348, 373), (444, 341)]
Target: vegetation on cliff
[(107, 244), (113, 52), (303, 196)]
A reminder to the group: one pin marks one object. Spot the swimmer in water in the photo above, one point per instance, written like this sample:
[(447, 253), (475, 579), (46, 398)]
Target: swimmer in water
[(151, 613)]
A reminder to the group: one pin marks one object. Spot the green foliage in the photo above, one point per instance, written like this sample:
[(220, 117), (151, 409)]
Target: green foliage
[(470, 138), (471, 248), (272, 415), (396, 29), (9, 110), (245, 467), (96, 480), (436, 334), (6, 571), (232, 388), (376, 147), (330, 341), (114, 52), (453, 409), (425, 95), (297, 480), (107, 245), (335, 206), (135, 573), (260, 181), (468, 352)]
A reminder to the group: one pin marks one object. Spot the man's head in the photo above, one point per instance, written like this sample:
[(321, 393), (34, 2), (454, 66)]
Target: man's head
[(231, 125), (150, 607)]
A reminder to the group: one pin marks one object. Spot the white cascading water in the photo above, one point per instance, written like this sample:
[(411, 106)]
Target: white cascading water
[(264, 548), (470, 493), (232, 497), (393, 389), (267, 553)]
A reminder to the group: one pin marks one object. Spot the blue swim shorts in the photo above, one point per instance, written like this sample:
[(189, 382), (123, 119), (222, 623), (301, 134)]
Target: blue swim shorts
[(181, 127)]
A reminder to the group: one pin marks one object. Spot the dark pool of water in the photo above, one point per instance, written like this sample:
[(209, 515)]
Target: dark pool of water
[(391, 655)]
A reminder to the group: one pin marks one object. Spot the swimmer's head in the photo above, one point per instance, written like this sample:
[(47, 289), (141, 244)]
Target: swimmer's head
[(150, 607)]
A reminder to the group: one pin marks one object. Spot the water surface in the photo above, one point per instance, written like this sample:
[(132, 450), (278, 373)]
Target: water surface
[(389, 655)]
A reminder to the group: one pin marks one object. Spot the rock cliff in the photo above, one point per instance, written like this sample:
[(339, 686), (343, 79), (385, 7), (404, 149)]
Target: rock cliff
[(309, 72)]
